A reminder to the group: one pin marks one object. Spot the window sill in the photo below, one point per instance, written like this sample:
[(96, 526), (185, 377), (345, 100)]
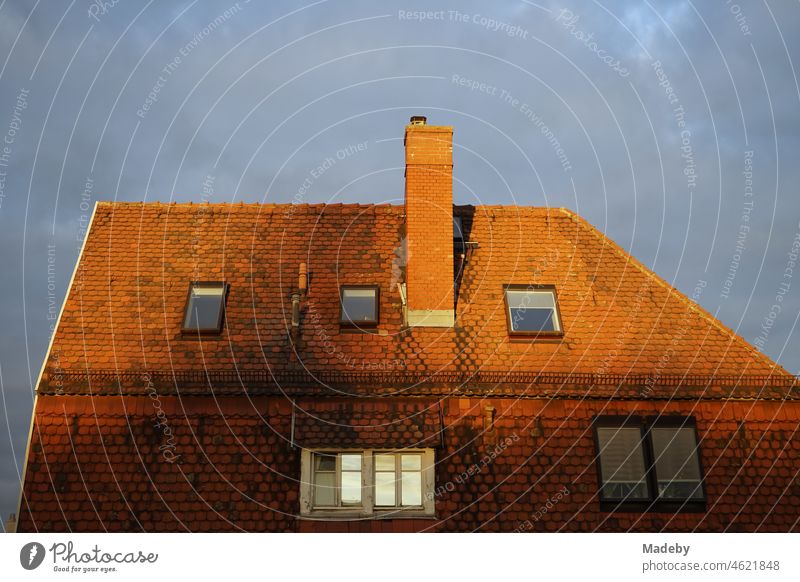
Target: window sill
[(333, 515), (367, 328), (549, 337), (692, 506), (201, 335)]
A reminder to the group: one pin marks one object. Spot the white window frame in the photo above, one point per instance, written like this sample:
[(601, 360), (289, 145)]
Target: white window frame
[(367, 507), (337, 477), (529, 292)]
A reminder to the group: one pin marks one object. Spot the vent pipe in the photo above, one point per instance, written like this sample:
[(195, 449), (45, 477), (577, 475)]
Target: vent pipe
[(302, 279)]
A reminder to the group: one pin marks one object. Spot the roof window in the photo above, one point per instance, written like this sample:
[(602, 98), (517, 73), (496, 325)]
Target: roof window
[(359, 306), (205, 307), (532, 310)]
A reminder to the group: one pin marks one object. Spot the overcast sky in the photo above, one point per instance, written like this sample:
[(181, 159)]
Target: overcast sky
[(674, 127)]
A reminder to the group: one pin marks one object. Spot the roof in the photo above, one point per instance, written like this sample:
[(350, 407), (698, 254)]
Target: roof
[(150, 454), (124, 310)]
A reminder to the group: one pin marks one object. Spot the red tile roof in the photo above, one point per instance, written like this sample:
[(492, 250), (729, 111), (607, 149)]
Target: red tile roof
[(137, 427), (124, 311)]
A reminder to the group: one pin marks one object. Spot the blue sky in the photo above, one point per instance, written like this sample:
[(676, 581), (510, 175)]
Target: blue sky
[(671, 126)]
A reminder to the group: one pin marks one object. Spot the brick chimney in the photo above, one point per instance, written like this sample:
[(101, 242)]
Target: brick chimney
[(429, 224)]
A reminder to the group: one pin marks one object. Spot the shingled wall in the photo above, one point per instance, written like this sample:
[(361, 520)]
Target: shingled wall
[(227, 464)]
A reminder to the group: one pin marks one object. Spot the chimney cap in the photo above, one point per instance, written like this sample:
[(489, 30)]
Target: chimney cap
[(418, 120)]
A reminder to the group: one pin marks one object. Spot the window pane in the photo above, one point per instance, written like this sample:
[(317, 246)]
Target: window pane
[(533, 319), (384, 489), (203, 290), (324, 489), (677, 466), (205, 305), (351, 462), (411, 462), (527, 299), (531, 310), (351, 487), (622, 463), (358, 305), (411, 488), (457, 232), (384, 463), (325, 462)]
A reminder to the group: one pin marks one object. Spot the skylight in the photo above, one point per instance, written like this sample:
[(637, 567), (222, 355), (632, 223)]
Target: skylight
[(204, 307), (359, 306), (532, 311)]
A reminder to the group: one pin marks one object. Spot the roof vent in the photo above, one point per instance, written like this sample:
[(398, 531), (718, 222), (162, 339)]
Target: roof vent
[(419, 120)]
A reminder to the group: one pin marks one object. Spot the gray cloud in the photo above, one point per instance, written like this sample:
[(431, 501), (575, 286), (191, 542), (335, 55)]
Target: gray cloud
[(304, 85)]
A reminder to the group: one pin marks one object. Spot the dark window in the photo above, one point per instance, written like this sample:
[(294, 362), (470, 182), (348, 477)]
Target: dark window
[(676, 463), (532, 311), (205, 306), (651, 463), (458, 233), (359, 306), (622, 463)]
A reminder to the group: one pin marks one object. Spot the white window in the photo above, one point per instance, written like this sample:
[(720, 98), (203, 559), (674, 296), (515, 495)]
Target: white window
[(532, 311), (359, 306), (364, 483), (398, 479), (337, 479)]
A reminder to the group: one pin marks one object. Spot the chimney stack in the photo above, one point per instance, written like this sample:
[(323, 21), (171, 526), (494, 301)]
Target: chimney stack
[(429, 224)]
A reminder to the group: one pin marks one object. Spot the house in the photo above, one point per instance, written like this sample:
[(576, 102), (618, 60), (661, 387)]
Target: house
[(371, 368)]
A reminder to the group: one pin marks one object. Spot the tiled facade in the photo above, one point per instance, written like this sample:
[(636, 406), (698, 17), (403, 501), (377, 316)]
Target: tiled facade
[(99, 464)]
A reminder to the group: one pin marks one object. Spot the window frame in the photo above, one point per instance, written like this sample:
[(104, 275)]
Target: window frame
[(628, 423), (367, 508), (363, 324), (654, 502), (205, 331), (337, 478), (674, 421), (398, 479), (533, 288)]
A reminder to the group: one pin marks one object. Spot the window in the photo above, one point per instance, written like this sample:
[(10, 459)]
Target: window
[(359, 306), (458, 232), (205, 306), (651, 462), (398, 480), (364, 483), (622, 463), (676, 463), (532, 310), (337, 479)]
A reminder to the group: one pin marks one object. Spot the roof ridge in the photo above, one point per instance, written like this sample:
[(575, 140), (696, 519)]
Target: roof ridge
[(701, 311), (241, 203), (108, 205), (192, 204)]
